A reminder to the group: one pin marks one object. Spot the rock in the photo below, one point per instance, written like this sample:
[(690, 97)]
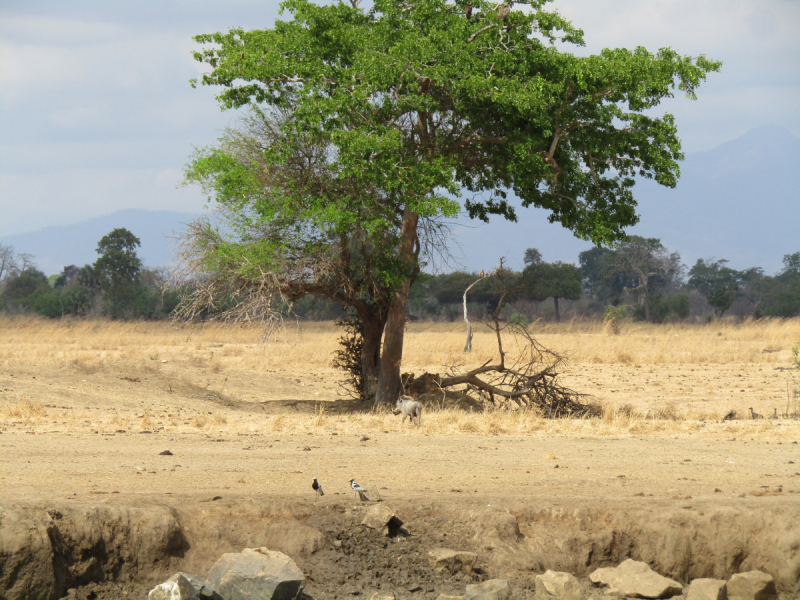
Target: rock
[(176, 587), (706, 589), (446, 597), (635, 579), (256, 574), (380, 516), (558, 585), (370, 493), (494, 589), (753, 585), (451, 561), (293, 538), (204, 589)]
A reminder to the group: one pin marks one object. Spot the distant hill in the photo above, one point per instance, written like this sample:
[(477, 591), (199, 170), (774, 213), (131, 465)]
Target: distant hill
[(56, 247), (740, 201)]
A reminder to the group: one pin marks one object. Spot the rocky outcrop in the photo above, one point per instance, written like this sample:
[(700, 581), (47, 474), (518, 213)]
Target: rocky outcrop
[(634, 579), (494, 589), (706, 589), (382, 518), (184, 586), (752, 585), (451, 561), (256, 574), (556, 585)]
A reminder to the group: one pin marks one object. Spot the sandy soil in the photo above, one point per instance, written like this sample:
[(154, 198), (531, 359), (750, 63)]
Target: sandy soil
[(87, 433)]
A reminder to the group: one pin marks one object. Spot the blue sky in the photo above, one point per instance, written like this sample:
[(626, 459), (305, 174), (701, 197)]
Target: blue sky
[(96, 113)]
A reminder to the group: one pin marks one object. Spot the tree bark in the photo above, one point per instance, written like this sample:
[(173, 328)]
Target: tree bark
[(371, 353), (389, 378), (558, 314)]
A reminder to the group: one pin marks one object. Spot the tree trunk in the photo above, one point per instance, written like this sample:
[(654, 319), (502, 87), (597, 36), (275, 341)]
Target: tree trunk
[(371, 353), (389, 379), (558, 314)]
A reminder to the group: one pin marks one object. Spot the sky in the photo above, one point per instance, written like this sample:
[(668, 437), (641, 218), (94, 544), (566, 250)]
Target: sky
[(97, 114)]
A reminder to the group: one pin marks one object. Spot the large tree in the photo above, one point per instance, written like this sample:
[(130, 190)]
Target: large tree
[(647, 260), (718, 283), (556, 280), (427, 98), (117, 270)]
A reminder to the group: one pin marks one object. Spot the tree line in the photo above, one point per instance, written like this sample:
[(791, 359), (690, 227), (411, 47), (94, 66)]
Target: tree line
[(115, 286), (638, 276)]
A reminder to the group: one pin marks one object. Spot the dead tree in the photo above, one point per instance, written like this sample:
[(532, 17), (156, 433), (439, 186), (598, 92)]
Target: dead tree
[(529, 380), (468, 345)]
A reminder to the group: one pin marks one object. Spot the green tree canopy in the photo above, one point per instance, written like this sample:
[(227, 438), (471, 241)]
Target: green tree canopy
[(421, 101), (117, 270), (647, 260), (552, 280), (719, 284)]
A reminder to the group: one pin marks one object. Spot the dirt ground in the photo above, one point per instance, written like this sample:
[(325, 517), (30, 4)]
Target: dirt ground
[(88, 433)]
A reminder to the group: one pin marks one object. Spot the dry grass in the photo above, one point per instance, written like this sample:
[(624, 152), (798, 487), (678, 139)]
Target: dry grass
[(92, 344), (231, 366)]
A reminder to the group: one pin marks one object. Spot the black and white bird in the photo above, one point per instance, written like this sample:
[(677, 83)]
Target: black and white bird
[(317, 487), (357, 488)]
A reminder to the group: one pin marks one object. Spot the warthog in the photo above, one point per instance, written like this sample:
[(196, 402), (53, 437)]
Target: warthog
[(410, 408)]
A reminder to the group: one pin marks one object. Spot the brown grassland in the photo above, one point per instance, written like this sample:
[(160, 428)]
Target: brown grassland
[(99, 376), (238, 427)]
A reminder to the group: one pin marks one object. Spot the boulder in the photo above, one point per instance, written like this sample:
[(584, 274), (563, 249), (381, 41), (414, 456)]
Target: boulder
[(370, 493), (636, 580), (494, 589), (293, 538), (558, 585), (753, 585), (381, 516), (451, 561), (256, 574), (184, 586), (706, 589)]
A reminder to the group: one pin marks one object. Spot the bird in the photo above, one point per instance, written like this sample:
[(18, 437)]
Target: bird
[(357, 488), (730, 416), (775, 414), (469, 11), (317, 487), (754, 415), (481, 274), (503, 12)]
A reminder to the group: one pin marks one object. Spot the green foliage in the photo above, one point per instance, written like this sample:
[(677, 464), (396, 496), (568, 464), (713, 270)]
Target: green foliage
[(791, 268), (518, 319), (420, 102), (663, 308), (615, 313), (719, 284), (551, 280), (117, 271), (23, 284)]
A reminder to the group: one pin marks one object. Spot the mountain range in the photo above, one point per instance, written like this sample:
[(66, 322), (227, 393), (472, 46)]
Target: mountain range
[(739, 201)]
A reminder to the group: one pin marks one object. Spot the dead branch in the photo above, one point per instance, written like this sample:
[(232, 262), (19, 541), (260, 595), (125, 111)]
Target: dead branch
[(526, 376)]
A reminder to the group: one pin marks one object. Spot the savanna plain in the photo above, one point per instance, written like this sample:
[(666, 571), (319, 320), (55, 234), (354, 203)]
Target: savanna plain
[(89, 409)]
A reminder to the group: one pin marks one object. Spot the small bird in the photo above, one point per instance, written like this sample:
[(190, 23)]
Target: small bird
[(469, 11), (503, 12), (481, 274), (357, 488), (317, 487), (754, 414)]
